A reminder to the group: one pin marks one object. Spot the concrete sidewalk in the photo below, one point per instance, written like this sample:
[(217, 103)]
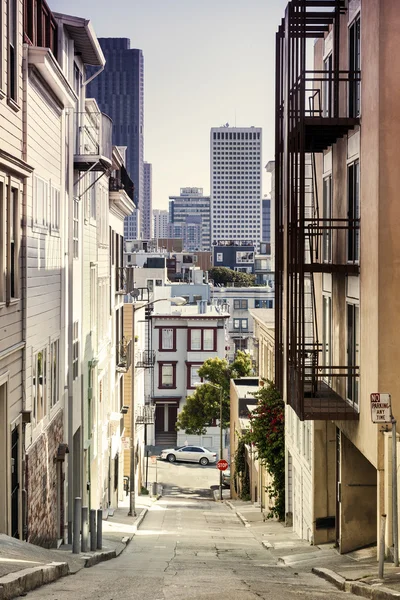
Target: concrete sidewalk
[(356, 572), (24, 566)]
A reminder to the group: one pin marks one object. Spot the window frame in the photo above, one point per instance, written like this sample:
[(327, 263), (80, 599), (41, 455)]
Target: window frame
[(35, 386), (241, 327), (240, 304), (161, 365), (13, 191), (189, 380), (354, 45), (353, 352), (75, 350), (12, 54), (202, 348), (353, 212), (54, 376), (55, 209), (161, 347)]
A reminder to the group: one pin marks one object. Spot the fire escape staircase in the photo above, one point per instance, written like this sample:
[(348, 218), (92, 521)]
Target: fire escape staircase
[(311, 116)]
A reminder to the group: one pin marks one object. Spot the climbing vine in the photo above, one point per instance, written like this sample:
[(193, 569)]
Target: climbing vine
[(242, 483), (267, 433)]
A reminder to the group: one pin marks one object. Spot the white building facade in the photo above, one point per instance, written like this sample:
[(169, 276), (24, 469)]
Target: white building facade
[(236, 184), (160, 222), (189, 219)]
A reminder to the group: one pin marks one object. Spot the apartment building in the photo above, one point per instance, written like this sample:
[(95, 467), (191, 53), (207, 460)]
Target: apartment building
[(236, 185), (189, 219), (160, 223), (14, 172), (183, 338), (238, 302), (337, 316)]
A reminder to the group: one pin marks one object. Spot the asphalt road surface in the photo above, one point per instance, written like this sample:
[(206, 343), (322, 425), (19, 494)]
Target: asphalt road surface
[(190, 548)]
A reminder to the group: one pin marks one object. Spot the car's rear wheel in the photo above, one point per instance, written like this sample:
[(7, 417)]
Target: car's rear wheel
[(204, 461), (171, 458)]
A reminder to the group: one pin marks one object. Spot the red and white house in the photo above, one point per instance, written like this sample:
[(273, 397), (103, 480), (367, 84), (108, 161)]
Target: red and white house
[(183, 340)]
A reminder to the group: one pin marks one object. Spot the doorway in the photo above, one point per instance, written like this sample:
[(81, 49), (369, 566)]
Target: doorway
[(165, 423)]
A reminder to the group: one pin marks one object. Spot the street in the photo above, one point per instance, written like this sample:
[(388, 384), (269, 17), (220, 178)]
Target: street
[(190, 547)]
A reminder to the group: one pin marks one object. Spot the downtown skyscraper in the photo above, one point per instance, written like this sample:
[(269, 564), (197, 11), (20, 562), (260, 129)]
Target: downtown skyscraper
[(119, 91), (147, 211), (236, 195)]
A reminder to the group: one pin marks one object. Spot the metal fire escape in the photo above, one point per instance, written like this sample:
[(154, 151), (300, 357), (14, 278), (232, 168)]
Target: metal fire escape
[(312, 113)]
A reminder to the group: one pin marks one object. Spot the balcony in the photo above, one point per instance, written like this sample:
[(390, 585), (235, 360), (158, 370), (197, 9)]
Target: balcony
[(121, 182), (333, 246), (145, 359), (124, 283), (310, 387), (145, 415), (93, 141), (124, 356)]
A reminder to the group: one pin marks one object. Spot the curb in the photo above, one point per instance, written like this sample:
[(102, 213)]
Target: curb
[(21, 582), (238, 514), (100, 557), (330, 576), (139, 521), (17, 584), (358, 588)]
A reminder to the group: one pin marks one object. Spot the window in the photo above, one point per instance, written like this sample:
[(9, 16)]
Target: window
[(75, 351), (167, 339), (40, 202), (167, 375), (39, 385), (75, 232), (353, 211), (158, 282), (354, 68), (193, 378), (93, 297), (12, 50), (9, 241), (328, 96), (327, 215), (54, 362), (55, 210), (92, 196), (263, 304), (327, 335), (202, 339), (240, 304), (220, 257), (353, 345), (240, 324)]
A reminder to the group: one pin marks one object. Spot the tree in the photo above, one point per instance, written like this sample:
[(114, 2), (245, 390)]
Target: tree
[(224, 275), (267, 433), (203, 406)]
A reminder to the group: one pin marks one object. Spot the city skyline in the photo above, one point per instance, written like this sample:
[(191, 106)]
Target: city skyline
[(190, 87)]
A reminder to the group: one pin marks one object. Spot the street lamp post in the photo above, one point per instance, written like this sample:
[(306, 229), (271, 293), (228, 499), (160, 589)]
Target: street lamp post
[(179, 301)]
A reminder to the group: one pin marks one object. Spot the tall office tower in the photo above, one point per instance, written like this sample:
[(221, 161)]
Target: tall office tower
[(236, 184), (160, 220), (147, 210), (119, 91), (189, 214)]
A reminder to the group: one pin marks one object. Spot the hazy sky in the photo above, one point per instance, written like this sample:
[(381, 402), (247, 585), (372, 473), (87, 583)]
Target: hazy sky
[(207, 63)]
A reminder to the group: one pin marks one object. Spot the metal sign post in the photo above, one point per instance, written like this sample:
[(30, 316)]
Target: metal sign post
[(381, 412)]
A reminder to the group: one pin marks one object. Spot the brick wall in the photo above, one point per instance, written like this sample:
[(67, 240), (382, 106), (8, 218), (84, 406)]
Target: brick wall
[(41, 484)]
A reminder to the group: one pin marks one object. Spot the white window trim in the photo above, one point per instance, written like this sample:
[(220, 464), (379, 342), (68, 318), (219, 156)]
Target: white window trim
[(55, 219), (44, 225)]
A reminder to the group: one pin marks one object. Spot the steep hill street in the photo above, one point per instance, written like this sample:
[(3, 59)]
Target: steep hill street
[(190, 547)]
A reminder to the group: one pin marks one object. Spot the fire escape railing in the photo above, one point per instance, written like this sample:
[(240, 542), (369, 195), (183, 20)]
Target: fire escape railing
[(314, 109)]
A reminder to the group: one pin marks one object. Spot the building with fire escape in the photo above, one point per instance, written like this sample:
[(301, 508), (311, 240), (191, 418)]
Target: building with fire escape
[(337, 281)]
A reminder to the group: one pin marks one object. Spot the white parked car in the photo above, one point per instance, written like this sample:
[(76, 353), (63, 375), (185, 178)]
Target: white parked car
[(197, 454)]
